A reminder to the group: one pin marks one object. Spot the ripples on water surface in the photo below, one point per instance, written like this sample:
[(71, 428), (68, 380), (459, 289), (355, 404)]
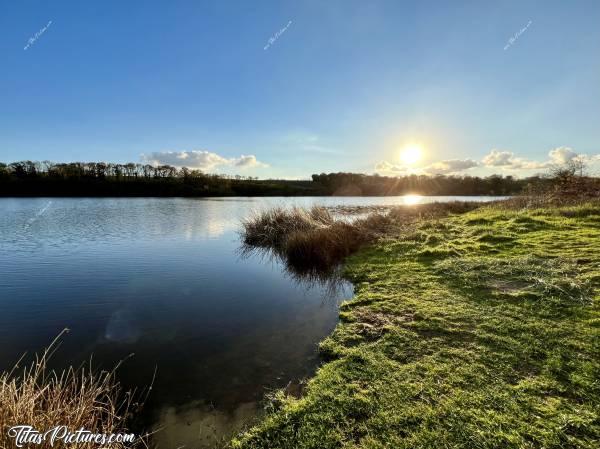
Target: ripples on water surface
[(163, 278)]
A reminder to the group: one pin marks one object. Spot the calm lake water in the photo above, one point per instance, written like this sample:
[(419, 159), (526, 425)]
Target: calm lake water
[(162, 278)]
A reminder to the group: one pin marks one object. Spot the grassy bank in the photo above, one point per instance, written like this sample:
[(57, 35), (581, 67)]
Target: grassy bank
[(479, 330)]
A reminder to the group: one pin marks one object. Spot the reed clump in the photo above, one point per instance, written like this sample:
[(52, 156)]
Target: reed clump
[(324, 246), (314, 239), (75, 397), (271, 228)]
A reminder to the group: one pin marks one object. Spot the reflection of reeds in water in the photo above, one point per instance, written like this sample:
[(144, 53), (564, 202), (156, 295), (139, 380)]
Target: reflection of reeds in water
[(329, 280), (267, 235), (313, 242), (76, 398)]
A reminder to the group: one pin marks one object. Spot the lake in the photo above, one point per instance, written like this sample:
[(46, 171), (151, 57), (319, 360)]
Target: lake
[(164, 279)]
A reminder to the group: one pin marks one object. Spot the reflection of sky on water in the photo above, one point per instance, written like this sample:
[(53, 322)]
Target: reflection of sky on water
[(161, 278)]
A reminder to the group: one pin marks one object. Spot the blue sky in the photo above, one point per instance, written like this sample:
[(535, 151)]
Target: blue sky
[(343, 87)]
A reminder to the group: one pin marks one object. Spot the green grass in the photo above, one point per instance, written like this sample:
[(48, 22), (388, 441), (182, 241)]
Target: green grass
[(481, 330)]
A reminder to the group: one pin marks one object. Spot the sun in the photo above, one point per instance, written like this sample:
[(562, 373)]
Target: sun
[(411, 154)]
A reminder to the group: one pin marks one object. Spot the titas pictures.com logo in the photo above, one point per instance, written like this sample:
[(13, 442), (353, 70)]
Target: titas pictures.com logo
[(27, 435)]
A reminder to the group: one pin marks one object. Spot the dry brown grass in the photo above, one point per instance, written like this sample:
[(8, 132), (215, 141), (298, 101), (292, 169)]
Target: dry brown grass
[(567, 191), (270, 228), (314, 240), (75, 397), (322, 247)]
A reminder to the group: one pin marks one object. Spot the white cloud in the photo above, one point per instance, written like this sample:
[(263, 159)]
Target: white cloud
[(248, 162), (498, 158), (556, 156), (508, 160), (563, 155), (450, 166), (200, 159), (386, 167), (494, 159), (441, 167)]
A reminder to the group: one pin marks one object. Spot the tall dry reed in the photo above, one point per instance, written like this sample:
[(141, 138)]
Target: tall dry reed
[(271, 228), (75, 397), (309, 239)]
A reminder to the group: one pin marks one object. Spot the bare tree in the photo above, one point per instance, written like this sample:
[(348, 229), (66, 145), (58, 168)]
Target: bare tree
[(567, 172)]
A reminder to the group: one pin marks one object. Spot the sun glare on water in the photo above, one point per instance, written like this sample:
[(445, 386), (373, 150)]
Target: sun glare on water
[(410, 200), (411, 154)]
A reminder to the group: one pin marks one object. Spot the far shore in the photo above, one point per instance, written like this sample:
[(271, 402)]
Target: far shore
[(100, 179)]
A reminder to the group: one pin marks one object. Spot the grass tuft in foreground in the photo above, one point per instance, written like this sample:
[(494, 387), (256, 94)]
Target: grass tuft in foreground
[(480, 330), (76, 398)]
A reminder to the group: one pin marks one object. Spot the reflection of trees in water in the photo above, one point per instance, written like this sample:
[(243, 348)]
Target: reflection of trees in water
[(329, 280)]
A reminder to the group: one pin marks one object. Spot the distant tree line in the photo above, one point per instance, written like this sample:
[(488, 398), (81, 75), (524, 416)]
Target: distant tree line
[(359, 184), (29, 178)]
